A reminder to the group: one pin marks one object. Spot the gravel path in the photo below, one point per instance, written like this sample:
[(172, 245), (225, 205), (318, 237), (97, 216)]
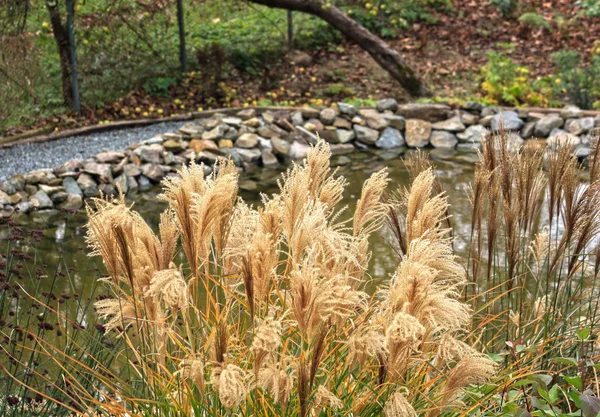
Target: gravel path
[(30, 156)]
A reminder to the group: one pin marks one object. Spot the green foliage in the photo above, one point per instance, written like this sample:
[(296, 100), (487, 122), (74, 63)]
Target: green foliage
[(505, 82), (339, 89), (591, 7), (534, 20), (507, 7), (159, 86), (578, 81)]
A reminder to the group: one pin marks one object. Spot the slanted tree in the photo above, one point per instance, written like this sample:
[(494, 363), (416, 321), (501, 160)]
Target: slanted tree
[(387, 57)]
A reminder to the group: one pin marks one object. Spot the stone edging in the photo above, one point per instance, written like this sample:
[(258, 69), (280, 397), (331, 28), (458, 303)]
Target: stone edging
[(270, 136)]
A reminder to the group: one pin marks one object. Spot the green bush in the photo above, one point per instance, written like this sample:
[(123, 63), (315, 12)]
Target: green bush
[(534, 20), (591, 7), (505, 82), (579, 82)]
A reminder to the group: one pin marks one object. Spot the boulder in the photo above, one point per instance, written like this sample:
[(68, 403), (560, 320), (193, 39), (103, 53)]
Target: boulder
[(246, 114), (4, 199), (366, 135), (87, 185), (150, 153), (442, 139), (280, 146), (153, 172), (450, 125), (579, 126), (299, 150), (233, 121), (347, 109), (390, 138), (559, 137), (395, 121), (247, 141), (528, 129), (473, 106), (269, 160), (342, 123), (250, 155), (507, 120), (571, 112), (468, 119), (109, 157), (545, 125), (374, 119), (199, 145), (71, 187), (344, 136), (73, 202), (217, 133), (387, 104), (327, 116), (104, 171), (40, 201), (174, 146), (427, 112), (417, 133), (342, 148), (297, 118)]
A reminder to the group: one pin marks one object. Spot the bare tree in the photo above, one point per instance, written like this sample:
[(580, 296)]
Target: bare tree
[(387, 57)]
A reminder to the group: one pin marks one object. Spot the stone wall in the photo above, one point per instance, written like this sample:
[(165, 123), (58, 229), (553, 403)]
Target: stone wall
[(277, 137)]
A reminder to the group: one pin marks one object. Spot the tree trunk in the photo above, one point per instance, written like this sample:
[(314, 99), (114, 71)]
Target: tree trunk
[(62, 43), (386, 57)]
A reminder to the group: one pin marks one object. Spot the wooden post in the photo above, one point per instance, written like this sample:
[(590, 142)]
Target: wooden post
[(72, 56), (182, 52), (290, 19)]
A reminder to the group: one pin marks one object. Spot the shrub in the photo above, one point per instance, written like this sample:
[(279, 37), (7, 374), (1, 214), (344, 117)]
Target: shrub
[(507, 7), (575, 80), (506, 82), (591, 7), (534, 20)]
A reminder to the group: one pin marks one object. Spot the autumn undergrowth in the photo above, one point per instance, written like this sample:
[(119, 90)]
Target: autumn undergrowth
[(230, 309)]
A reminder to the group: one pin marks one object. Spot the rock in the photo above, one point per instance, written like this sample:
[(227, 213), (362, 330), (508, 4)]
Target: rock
[(269, 160), (150, 153), (390, 138), (535, 116), (486, 121), (225, 143), (50, 190), (309, 112), (327, 116), (374, 119), (342, 148), (217, 133), (395, 121), (508, 120), (40, 201), (387, 104), (341, 123), (314, 125), (207, 157), (132, 184), (104, 171), (40, 176), (144, 183), (4, 199), (561, 138), (153, 172), (233, 121), (190, 130), (271, 131), (299, 58), (15, 183), (109, 157), (468, 119), (234, 155), (490, 111), (473, 106), (59, 197), (571, 112), (298, 150), (265, 144), (427, 112), (71, 187), (232, 133), (579, 126), (246, 114), (174, 146), (280, 146), (347, 109), (306, 134), (132, 170), (121, 183), (582, 152), (528, 129), (544, 126), (297, 119), (73, 202), (366, 135), (24, 207), (87, 185), (450, 125), (515, 140), (247, 141), (597, 121), (417, 133), (344, 136), (250, 155), (70, 168), (199, 145), (441, 139)]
